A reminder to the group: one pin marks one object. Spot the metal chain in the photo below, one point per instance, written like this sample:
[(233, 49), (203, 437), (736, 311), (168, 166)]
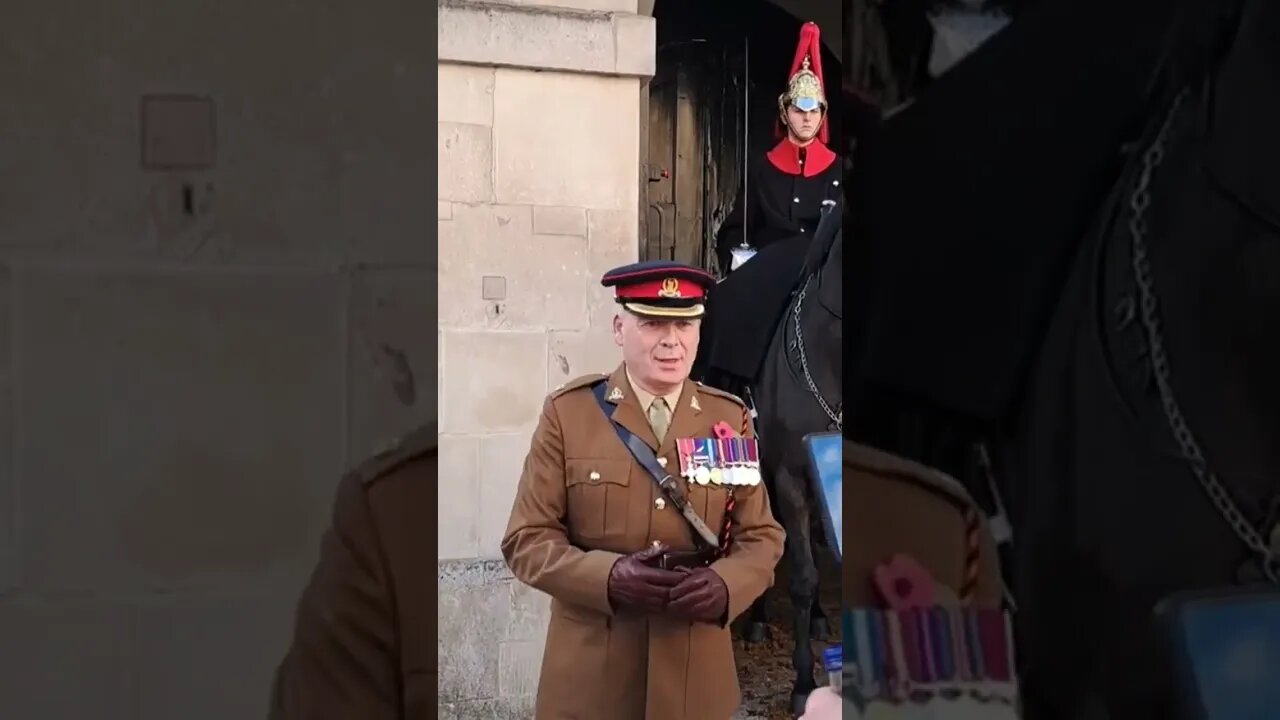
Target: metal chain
[(1139, 202), (836, 416)]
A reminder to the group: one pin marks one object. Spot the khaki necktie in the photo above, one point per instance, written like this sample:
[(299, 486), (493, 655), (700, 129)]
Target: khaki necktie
[(659, 417)]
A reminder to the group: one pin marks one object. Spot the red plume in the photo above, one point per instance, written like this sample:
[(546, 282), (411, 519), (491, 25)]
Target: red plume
[(810, 46)]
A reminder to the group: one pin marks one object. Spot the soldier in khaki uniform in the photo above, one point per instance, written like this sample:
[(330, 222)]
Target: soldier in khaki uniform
[(364, 639), (630, 639)]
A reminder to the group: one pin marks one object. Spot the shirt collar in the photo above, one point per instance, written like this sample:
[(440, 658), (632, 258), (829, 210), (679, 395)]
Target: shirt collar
[(646, 398)]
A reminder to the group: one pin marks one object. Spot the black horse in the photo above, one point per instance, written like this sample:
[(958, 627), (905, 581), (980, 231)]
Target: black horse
[(1125, 374), (795, 384)]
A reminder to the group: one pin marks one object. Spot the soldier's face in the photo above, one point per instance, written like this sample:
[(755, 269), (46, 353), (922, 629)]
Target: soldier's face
[(804, 124), (659, 353)]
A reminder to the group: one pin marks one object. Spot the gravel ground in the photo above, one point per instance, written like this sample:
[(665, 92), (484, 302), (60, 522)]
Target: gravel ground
[(764, 670)]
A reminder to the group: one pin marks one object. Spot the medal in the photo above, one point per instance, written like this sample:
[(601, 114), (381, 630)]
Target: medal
[(713, 451), (701, 461), (732, 476), (682, 452), (752, 461), (861, 653)]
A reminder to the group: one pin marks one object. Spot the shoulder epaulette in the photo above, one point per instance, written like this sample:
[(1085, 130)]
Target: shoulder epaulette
[(580, 382), (878, 461), (420, 443), (721, 393)]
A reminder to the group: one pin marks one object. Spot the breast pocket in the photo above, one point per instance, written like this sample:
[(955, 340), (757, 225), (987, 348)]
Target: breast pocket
[(598, 493)]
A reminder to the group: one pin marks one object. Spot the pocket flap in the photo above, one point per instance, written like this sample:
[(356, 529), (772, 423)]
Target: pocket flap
[(597, 472)]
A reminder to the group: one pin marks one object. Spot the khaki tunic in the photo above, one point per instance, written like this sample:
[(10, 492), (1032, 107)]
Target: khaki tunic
[(582, 503), (896, 506), (364, 642)]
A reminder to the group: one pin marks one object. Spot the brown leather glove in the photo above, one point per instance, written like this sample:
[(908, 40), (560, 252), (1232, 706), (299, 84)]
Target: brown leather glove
[(701, 596), (636, 584)]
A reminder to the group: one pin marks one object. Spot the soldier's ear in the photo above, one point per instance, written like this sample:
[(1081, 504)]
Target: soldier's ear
[(617, 329)]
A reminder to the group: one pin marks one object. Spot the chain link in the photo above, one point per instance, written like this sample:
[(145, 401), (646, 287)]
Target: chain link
[(1139, 201), (836, 416)]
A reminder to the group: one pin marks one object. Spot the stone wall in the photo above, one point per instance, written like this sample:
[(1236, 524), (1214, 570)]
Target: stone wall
[(188, 359), (539, 168)]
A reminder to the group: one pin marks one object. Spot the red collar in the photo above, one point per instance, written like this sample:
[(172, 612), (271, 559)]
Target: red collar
[(786, 156)]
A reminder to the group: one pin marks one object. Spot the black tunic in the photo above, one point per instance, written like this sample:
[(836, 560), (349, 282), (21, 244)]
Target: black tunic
[(782, 205)]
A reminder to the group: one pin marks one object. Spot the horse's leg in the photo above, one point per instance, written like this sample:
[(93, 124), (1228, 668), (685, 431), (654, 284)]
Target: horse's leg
[(804, 580), (819, 626), (757, 630)]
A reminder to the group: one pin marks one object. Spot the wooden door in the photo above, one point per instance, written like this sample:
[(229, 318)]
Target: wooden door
[(676, 158), (693, 157)]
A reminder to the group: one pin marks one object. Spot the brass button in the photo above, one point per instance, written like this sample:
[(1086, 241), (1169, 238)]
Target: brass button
[(595, 475), (660, 503)]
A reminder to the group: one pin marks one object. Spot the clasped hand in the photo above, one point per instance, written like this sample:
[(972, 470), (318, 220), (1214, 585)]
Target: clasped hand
[(697, 594)]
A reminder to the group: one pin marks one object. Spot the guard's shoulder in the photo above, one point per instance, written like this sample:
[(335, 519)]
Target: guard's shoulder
[(419, 444), (899, 469), (717, 392), (578, 383)]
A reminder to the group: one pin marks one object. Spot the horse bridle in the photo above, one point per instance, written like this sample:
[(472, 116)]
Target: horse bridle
[(836, 415), (1139, 201)]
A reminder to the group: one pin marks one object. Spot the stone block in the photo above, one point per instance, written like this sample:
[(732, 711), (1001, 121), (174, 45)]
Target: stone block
[(464, 170), (519, 664), (636, 40), (520, 708), (458, 497), (613, 239), (209, 659), (566, 140), (560, 221), (545, 286), (392, 357), (158, 411), (613, 6), (537, 38), (574, 353), (497, 381), (501, 460), (465, 94), (444, 211), (474, 602), (64, 661)]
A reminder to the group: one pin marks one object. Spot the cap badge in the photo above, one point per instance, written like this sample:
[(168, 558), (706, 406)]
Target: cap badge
[(670, 288)]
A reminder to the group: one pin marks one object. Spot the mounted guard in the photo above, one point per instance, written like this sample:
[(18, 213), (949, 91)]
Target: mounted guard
[(784, 196), (785, 190)]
